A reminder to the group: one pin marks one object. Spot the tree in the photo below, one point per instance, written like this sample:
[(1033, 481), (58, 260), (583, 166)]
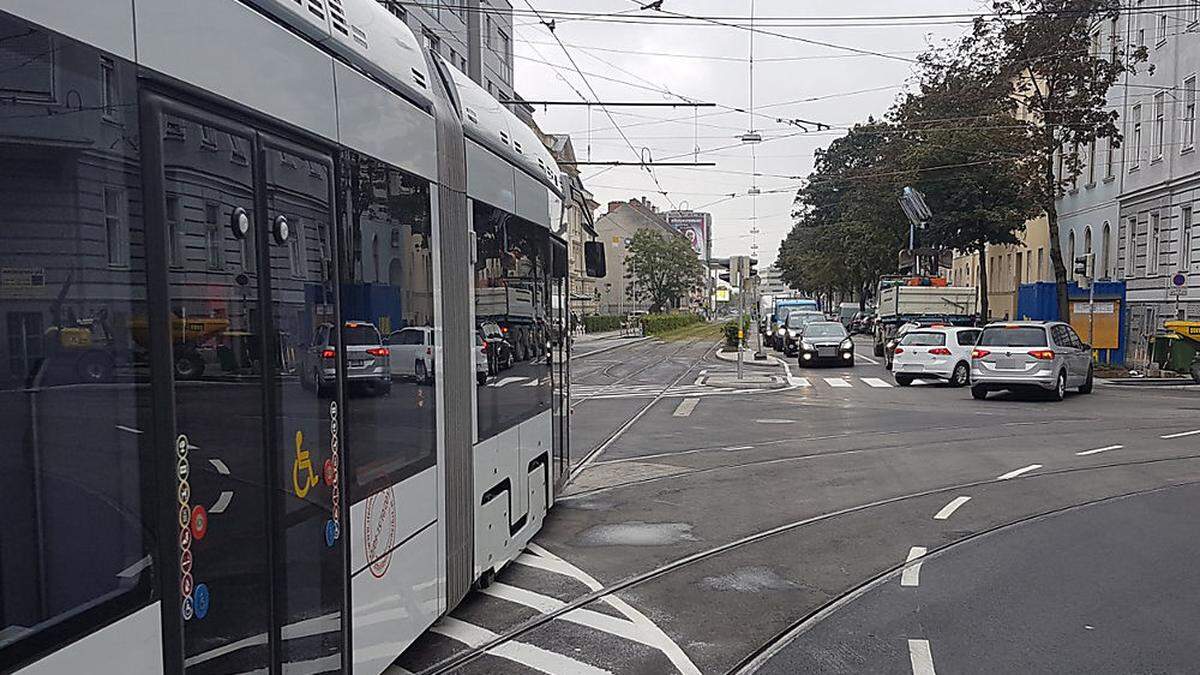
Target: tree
[(663, 269), (969, 154), (1060, 72)]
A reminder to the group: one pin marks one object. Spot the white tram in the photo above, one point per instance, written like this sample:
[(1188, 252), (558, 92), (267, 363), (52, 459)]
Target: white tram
[(247, 248)]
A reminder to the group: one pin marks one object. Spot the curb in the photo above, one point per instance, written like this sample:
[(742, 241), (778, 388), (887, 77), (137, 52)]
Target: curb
[(771, 360), (610, 348), (1149, 382)]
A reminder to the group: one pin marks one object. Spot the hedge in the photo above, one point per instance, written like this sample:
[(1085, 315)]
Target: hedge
[(654, 324), (601, 323), (730, 328)]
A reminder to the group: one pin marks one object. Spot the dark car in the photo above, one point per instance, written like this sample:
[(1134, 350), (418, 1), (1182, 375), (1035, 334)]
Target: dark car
[(796, 322), (825, 342), (501, 353)]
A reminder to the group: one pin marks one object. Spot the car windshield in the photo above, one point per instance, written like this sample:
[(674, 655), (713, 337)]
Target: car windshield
[(924, 339), (361, 334), (1013, 336), (824, 330), (799, 319)]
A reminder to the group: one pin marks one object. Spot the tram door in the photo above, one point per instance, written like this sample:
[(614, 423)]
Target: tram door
[(254, 362)]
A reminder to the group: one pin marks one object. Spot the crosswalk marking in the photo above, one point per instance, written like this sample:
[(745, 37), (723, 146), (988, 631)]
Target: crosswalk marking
[(686, 407), (837, 382), (876, 382), (584, 617), (799, 382), (505, 381), (521, 652)]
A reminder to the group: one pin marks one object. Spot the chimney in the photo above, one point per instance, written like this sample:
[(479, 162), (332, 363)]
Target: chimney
[(612, 206)]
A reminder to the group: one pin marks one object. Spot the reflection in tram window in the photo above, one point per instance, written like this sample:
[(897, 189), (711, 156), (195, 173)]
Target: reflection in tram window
[(512, 309), (387, 286), (74, 417)]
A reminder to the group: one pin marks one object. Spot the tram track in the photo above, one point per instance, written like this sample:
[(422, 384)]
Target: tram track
[(590, 457), (533, 623), (602, 372)]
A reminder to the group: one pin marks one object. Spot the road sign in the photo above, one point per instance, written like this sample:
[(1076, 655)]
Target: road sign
[(1177, 287), (1179, 279)]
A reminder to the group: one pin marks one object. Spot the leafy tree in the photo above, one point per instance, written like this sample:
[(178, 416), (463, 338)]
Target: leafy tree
[(1060, 65), (663, 269), (968, 152)]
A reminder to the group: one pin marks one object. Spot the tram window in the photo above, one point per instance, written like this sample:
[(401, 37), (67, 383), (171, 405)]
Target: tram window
[(74, 406), (385, 289), (512, 291)]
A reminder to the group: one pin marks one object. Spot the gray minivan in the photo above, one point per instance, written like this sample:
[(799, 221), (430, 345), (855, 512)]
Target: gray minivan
[(1038, 355)]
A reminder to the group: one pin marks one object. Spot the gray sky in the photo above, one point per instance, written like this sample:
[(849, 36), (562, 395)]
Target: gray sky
[(846, 87)]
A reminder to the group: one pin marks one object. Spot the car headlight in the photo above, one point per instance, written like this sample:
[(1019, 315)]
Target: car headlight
[(781, 331), (806, 345), (847, 344)]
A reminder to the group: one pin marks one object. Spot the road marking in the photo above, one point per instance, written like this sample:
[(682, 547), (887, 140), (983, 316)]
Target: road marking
[(920, 657), (799, 381), (866, 358), (506, 380), (1099, 450), (837, 382), (875, 382), (911, 576), (223, 500), (740, 447), (949, 509), (1018, 472), (519, 652), (1181, 434), (700, 377), (129, 429), (219, 466), (584, 617), (774, 421), (532, 383), (686, 406)]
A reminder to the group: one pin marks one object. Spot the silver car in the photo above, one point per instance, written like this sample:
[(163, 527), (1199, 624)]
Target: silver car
[(368, 361), (1024, 355)]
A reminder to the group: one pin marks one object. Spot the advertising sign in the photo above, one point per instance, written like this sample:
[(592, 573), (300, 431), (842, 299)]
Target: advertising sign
[(694, 226)]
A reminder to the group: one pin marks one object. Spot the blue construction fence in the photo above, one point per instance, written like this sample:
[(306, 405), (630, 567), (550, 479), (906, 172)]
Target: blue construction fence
[(1039, 302)]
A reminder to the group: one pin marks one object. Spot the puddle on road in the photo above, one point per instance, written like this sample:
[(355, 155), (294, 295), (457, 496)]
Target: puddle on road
[(749, 580), (637, 533)]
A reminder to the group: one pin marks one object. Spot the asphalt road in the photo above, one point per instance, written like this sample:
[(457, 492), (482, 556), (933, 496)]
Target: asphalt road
[(770, 529)]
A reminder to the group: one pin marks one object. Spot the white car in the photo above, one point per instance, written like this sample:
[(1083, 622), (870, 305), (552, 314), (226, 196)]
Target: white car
[(412, 353), (481, 359), (942, 353)]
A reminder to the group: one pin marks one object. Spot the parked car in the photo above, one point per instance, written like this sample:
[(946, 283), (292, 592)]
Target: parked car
[(942, 353), (1030, 355), (796, 322), (501, 354), (482, 366), (825, 341), (368, 361), (412, 353)]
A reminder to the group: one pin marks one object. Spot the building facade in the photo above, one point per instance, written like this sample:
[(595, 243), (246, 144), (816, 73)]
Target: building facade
[(578, 225), (1008, 266), (616, 228), (474, 36)]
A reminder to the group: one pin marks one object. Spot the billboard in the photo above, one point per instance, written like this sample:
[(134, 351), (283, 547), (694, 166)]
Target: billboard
[(693, 225)]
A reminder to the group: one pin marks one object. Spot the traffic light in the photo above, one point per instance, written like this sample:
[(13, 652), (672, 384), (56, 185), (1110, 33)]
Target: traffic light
[(1083, 266)]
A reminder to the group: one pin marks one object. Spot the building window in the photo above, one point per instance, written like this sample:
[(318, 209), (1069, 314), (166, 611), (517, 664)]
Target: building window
[(1193, 12), (396, 9), (1189, 113), (1152, 236), (1160, 30), (1130, 246), (236, 154), (213, 240), (1074, 167), (1160, 115), (1091, 163), (109, 95), (503, 51), (114, 228), (1114, 40), (1105, 261), (1110, 157), (1185, 238), (1141, 37), (174, 233), (431, 41), (1041, 269), (454, 59), (1136, 117), (296, 249), (1071, 256), (487, 31), (1059, 169)]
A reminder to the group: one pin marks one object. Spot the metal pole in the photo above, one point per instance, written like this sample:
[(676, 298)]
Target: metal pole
[(741, 322), (1091, 314)]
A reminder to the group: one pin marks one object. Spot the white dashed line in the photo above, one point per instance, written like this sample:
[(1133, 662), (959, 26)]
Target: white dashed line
[(1181, 434), (1097, 451), (506, 380), (686, 406), (920, 657), (219, 466), (911, 576), (1018, 472), (519, 652), (837, 382), (773, 421), (129, 429), (223, 500), (740, 447), (950, 508), (876, 382)]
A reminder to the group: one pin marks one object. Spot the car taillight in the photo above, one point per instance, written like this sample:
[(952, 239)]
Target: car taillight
[(328, 354), (429, 351), (484, 347), (1043, 354), (940, 351), (379, 351), (979, 353), (898, 350)]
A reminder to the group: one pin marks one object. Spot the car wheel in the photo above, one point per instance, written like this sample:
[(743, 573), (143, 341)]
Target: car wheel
[(1088, 384), (878, 349), (887, 363), (904, 380), (1060, 387), (978, 393), (1196, 372), (850, 363), (421, 373), (481, 378), (961, 375), (319, 386), (189, 367)]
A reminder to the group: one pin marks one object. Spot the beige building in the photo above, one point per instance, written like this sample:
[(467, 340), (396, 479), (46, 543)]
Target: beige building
[(1008, 266), (616, 229), (578, 224)]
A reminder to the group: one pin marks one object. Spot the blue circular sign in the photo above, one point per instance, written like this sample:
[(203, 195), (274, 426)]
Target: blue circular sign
[(331, 532), (201, 598), (1180, 279)]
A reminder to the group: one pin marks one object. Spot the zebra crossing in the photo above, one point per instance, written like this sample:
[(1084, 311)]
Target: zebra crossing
[(699, 389)]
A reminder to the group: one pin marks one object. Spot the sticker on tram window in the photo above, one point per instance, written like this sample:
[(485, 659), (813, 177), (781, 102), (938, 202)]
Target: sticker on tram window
[(379, 530), (199, 522), (333, 528), (303, 463), (193, 524), (201, 600)]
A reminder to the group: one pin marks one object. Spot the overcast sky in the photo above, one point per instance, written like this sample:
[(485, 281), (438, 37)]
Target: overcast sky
[(818, 83)]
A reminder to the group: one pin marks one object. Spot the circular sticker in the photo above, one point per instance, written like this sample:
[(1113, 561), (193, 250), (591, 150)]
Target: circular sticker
[(199, 522), (187, 609), (181, 445), (201, 596), (184, 516), (331, 533), (185, 492), (379, 531), (183, 468), (185, 566), (185, 538), (185, 585), (329, 472)]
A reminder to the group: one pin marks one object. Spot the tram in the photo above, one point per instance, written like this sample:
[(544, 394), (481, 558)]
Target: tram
[(246, 249)]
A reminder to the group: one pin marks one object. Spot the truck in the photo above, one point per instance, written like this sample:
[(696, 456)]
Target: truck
[(922, 301), (514, 308)]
